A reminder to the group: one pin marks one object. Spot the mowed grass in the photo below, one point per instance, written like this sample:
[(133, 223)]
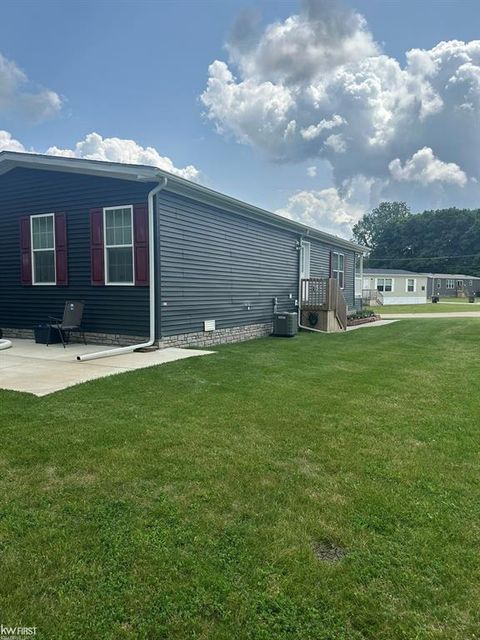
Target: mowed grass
[(455, 300), (429, 307), (185, 501)]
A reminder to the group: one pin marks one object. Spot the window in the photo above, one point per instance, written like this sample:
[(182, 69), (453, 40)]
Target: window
[(411, 285), (439, 284), (384, 284), (118, 225), (459, 284), (450, 284), (42, 229), (338, 268)]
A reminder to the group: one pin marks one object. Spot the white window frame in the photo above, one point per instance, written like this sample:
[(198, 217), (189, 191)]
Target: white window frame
[(338, 271), (34, 251), (450, 283), (305, 248), (383, 285), (460, 284), (117, 246), (414, 280)]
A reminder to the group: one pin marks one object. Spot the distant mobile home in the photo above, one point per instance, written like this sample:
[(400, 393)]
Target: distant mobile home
[(452, 285), (394, 286), (76, 229)]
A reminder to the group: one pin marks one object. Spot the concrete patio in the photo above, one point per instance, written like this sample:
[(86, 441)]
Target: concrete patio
[(40, 370)]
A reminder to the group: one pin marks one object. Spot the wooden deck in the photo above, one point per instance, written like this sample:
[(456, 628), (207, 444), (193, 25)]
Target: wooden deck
[(322, 296)]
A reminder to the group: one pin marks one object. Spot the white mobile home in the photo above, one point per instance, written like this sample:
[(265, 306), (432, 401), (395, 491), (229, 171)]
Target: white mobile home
[(393, 286)]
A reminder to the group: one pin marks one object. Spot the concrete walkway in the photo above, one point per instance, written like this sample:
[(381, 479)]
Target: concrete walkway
[(442, 314), (38, 369), (378, 323)]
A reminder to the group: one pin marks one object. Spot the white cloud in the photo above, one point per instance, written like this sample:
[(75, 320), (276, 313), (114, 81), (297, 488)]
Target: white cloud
[(261, 110), (18, 98), (297, 50), (7, 143), (316, 87), (314, 130), (94, 147), (325, 208), (312, 171), (425, 168), (336, 142)]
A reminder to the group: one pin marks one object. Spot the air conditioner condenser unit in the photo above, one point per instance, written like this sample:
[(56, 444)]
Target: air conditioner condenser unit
[(285, 324)]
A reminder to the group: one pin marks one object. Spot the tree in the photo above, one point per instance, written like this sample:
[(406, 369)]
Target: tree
[(442, 240), (373, 225)]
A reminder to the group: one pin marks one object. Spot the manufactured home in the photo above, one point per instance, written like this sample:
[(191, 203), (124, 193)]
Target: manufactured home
[(452, 285), (393, 286), (151, 254)]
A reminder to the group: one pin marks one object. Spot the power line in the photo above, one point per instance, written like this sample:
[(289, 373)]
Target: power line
[(420, 258)]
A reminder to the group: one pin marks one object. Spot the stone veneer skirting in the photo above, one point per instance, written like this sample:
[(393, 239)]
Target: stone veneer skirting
[(196, 339), (219, 336)]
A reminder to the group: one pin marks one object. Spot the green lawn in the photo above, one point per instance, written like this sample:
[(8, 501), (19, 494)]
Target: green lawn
[(429, 307), (186, 501), (456, 300)]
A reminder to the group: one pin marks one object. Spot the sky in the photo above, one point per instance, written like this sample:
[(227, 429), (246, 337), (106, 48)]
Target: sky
[(317, 109)]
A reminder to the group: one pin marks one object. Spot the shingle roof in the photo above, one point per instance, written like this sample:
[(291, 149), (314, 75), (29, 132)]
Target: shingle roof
[(390, 272), (403, 272), (452, 276)]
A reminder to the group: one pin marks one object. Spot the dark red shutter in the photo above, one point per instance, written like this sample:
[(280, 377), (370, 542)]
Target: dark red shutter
[(330, 265), (61, 259), (25, 250), (96, 247), (140, 240)]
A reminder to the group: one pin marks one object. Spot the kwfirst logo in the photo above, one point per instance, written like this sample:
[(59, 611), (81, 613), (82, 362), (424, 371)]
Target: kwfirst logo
[(13, 633)]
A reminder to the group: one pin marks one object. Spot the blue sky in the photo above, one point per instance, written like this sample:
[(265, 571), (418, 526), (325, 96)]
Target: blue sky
[(136, 70)]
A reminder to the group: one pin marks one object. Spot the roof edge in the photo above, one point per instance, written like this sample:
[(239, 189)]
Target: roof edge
[(12, 159)]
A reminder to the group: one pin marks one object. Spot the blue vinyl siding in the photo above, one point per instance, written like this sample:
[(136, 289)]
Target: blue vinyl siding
[(211, 263), (122, 310), (444, 292), (320, 266), (214, 264)]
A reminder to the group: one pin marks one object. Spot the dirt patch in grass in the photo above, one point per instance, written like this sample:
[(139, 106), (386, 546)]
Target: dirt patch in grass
[(328, 552)]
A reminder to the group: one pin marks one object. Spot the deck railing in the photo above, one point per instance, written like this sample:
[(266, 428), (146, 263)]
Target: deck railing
[(338, 303), (372, 295), (314, 292), (326, 295)]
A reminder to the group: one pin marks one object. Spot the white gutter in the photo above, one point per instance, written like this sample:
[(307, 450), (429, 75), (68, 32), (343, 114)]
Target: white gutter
[(5, 344), (151, 264)]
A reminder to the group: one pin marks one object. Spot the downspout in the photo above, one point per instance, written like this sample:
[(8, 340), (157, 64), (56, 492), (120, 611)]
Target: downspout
[(299, 313), (151, 265)]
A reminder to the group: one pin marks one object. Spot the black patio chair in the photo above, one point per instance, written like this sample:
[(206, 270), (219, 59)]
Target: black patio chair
[(71, 321)]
